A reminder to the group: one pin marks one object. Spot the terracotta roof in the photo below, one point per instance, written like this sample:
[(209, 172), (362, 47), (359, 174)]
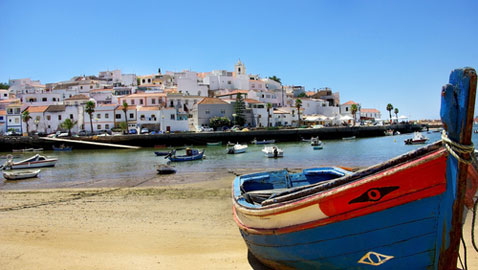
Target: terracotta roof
[(310, 93), (55, 108), (11, 100), (77, 97), (350, 103), (3, 112), (209, 100), (250, 100), (369, 110), (37, 109), (280, 112), (235, 92), (148, 108)]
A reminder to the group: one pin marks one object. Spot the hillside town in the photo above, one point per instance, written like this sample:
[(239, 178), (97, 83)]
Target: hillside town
[(171, 102)]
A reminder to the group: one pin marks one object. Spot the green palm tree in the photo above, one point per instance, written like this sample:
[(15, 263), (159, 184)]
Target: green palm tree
[(298, 105), (396, 113), (26, 117), (354, 109), (68, 124), (269, 107), (125, 110), (389, 109), (90, 109)]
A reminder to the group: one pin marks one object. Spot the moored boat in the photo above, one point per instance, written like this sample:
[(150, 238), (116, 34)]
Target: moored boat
[(237, 148), (191, 154), (165, 169), (418, 138), (405, 213), (36, 161), (255, 141), (161, 153), (273, 151), (388, 132), (349, 138), (19, 175), (214, 143), (62, 148)]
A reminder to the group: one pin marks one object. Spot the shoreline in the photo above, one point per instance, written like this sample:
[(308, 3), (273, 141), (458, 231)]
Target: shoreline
[(186, 138)]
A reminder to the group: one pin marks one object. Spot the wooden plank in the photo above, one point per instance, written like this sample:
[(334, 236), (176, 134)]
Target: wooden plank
[(92, 143)]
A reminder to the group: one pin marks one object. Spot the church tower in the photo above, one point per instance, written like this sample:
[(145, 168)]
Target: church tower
[(240, 69)]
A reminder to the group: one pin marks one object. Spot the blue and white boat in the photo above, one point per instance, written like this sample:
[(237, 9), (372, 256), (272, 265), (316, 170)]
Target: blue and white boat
[(191, 154)]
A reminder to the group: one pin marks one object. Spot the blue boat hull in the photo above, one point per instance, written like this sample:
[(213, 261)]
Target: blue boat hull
[(410, 238), (186, 158)]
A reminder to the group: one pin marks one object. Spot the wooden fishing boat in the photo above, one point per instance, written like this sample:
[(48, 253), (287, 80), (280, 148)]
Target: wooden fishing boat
[(36, 161), (237, 149), (273, 151), (19, 175), (191, 154), (62, 148), (263, 141), (349, 138), (214, 143), (406, 213), (418, 138)]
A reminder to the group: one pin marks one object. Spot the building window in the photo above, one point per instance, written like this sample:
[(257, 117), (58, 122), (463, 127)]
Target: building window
[(91, 86), (98, 126), (228, 82), (107, 126), (44, 99), (118, 116), (153, 101), (132, 102), (142, 117), (71, 116), (171, 104), (48, 117), (59, 117), (107, 116), (141, 101), (346, 109), (131, 116), (172, 116), (223, 111), (81, 87), (98, 116), (207, 112)]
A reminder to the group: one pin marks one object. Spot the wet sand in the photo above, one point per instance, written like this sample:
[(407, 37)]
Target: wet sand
[(181, 226)]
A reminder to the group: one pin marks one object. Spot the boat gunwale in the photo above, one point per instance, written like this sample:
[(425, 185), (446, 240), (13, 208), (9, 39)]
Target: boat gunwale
[(344, 183)]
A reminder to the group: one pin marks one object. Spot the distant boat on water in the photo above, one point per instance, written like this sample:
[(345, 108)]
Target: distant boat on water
[(214, 143), (418, 138), (35, 161), (237, 149), (273, 151), (349, 138), (62, 148), (263, 141), (405, 213), (191, 154)]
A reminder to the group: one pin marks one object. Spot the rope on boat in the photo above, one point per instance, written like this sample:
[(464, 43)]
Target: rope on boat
[(457, 149)]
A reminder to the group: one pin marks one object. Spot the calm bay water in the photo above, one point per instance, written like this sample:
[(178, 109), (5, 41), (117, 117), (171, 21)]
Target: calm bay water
[(85, 166)]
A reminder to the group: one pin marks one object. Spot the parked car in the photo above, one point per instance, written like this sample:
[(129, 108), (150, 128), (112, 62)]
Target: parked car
[(12, 133), (82, 133), (133, 131), (144, 131), (62, 134)]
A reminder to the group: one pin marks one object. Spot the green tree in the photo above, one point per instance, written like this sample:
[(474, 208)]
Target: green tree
[(68, 124), (298, 105), (124, 126), (389, 109), (217, 122), (4, 86), (239, 108), (90, 109), (125, 110), (26, 117), (269, 107), (274, 78), (354, 109), (396, 111), (302, 95)]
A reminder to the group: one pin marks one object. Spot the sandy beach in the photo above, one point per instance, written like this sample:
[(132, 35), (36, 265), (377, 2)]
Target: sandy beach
[(180, 226)]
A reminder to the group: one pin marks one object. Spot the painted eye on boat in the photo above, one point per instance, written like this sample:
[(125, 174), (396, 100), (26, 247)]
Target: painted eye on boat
[(373, 194)]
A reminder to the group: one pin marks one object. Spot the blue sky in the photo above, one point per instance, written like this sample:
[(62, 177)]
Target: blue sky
[(374, 52)]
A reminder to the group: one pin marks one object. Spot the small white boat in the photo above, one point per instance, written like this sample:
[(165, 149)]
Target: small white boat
[(314, 141), (35, 161), (263, 141), (18, 175), (388, 132), (273, 151), (237, 148), (349, 138), (418, 138)]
